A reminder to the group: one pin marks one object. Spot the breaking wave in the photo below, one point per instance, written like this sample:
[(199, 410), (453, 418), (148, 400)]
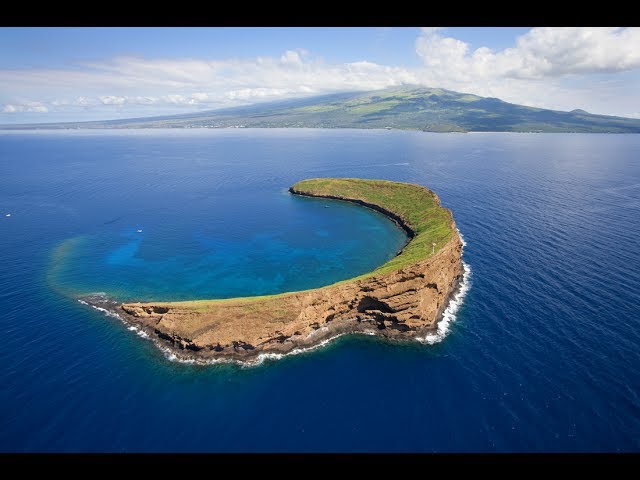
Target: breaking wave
[(449, 314)]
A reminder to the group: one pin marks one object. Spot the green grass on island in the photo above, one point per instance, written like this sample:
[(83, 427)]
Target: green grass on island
[(417, 206)]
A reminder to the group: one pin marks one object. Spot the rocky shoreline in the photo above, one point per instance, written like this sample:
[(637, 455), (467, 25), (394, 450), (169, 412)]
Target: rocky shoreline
[(403, 304)]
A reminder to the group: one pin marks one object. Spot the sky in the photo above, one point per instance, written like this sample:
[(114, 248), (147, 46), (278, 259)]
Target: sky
[(94, 73)]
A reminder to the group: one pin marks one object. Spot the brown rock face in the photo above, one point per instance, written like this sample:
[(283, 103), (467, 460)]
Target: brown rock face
[(402, 304)]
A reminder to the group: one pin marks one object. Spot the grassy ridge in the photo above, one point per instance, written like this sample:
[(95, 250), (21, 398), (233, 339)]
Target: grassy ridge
[(417, 206)]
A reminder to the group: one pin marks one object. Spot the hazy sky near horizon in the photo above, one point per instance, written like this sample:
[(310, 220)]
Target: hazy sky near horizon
[(69, 74)]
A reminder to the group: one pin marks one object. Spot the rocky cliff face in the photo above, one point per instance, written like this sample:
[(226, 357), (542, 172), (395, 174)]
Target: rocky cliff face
[(402, 304)]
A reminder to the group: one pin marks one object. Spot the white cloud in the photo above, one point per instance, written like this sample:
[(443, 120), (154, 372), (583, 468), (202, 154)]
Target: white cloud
[(197, 98), (139, 76), (560, 51), (200, 96), (29, 107), (291, 58), (542, 69), (83, 102), (113, 100), (541, 52), (255, 93)]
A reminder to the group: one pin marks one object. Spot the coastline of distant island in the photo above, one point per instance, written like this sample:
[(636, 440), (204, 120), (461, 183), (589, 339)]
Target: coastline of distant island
[(408, 107)]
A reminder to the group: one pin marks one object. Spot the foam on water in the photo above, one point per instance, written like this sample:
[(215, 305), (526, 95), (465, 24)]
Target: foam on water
[(254, 362), (449, 314), (107, 312)]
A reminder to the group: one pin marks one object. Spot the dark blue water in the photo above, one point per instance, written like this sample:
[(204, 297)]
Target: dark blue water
[(544, 354)]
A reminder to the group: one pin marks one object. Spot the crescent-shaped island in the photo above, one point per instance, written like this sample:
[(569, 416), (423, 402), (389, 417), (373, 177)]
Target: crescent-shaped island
[(404, 298)]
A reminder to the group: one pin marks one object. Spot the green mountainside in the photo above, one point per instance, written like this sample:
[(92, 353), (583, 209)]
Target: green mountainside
[(404, 108)]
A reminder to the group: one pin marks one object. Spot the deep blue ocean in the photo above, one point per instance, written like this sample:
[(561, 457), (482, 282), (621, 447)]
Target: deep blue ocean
[(543, 355)]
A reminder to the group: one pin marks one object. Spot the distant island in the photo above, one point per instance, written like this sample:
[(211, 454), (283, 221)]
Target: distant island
[(399, 108), (404, 298)]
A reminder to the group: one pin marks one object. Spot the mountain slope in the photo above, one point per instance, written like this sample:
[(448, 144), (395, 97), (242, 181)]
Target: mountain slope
[(406, 108)]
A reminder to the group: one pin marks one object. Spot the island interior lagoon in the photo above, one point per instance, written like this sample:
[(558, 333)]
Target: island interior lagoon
[(538, 350), (409, 297)]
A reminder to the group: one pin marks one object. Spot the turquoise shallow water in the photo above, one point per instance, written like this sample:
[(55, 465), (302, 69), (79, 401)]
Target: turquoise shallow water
[(273, 242), (544, 354)]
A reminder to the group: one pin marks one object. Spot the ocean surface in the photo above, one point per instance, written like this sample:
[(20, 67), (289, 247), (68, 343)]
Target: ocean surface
[(543, 354)]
